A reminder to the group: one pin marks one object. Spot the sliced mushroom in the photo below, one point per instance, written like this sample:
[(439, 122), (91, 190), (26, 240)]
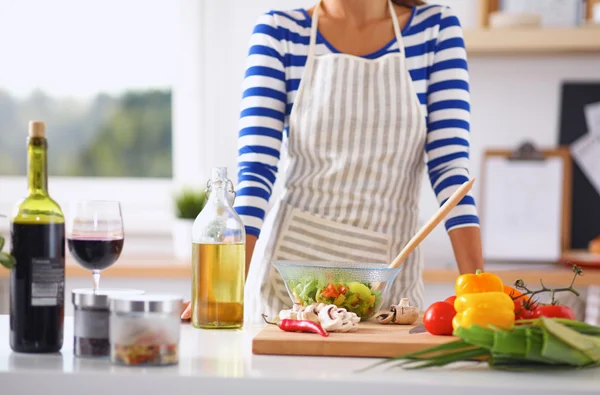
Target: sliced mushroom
[(308, 315), (350, 321), (288, 315), (387, 317), (404, 313), (330, 319), (298, 307)]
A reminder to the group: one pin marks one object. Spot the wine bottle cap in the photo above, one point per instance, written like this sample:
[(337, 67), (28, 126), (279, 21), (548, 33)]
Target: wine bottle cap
[(37, 129)]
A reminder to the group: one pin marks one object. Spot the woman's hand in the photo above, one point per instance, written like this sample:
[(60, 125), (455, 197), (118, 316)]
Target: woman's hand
[(250, 244), (466, 243), (187, 311)]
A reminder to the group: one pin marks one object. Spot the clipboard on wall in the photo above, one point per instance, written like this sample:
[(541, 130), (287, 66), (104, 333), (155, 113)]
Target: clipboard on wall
[(525, 204)]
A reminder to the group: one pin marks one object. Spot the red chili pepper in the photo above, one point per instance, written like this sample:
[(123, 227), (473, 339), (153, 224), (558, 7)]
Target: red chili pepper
[(299, 326)]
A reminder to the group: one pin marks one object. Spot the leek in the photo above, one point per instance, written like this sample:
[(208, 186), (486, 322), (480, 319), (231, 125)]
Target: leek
[(552, 343)]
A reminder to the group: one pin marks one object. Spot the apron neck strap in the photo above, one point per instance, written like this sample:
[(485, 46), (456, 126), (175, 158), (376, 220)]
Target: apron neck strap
[(313, 31), (396, 24), (315, 23)]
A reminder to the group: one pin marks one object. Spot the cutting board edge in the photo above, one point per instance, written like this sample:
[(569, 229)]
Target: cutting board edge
[(371, 341), (266, 346)]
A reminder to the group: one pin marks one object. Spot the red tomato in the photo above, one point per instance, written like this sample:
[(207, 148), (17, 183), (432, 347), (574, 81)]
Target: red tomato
[(554, 311), (438, 318), (330, 291), (523, 309), (450, 299)]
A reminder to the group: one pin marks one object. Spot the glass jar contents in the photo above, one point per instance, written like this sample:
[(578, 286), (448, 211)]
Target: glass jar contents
[(218, 259), (145, 329), (91, 316)]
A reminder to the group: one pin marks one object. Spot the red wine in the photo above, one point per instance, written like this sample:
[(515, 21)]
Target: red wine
[(37, 285), (95, 254)]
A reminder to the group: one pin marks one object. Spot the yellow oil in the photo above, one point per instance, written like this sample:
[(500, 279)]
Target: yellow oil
[(218, 275)]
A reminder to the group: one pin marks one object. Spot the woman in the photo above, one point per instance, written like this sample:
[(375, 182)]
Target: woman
[(368, 94)]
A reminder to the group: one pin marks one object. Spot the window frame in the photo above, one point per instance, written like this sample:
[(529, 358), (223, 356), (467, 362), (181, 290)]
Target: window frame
[(146, 203)]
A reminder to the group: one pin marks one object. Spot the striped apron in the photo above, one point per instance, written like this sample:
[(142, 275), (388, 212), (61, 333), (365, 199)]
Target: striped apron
[(352, 181)]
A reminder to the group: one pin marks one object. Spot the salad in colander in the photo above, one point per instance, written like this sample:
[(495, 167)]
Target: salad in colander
[(356, 297)]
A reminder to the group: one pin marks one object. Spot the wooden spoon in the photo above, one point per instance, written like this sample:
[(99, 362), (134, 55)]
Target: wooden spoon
[(430, 225)]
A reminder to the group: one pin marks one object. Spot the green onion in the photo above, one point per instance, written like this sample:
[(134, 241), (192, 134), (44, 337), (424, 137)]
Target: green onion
[(534, 345), (476, 335), (549, 343), (510, 343)]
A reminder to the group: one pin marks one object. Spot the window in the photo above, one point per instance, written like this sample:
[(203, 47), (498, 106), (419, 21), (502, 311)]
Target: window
[(100, 74)]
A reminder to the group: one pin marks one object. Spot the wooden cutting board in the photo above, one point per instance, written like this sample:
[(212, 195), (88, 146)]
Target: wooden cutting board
[(371, 340)]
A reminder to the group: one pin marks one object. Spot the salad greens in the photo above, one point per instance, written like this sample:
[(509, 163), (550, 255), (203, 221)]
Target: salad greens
[(354, 296)]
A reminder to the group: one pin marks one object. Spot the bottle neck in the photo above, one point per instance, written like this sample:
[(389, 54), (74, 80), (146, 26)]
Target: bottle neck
[(37, 166), (218, 192)]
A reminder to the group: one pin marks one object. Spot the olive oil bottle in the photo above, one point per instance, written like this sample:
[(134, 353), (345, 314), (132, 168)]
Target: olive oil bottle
[(37, 280), (218, 259)]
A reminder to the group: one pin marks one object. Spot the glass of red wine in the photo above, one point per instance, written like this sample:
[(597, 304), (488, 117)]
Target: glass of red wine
[(95, 235)]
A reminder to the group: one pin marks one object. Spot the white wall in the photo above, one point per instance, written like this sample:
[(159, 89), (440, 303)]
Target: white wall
[(213, 43), (513, 98)]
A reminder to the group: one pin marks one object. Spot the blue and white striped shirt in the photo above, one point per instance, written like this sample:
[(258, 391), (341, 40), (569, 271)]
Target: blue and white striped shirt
[(436, 58)]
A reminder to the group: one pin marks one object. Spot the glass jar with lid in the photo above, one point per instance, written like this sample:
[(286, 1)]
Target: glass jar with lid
[(145, 329), (91, 320)]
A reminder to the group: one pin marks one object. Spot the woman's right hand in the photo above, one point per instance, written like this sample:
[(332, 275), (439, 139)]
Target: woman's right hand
[(250, 243), (186, 315)]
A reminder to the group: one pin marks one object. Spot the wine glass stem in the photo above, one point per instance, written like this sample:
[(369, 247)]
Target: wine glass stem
[(96, 274)]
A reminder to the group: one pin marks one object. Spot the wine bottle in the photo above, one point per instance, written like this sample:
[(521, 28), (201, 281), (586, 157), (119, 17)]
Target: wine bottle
[(38, 244), (218, 260)]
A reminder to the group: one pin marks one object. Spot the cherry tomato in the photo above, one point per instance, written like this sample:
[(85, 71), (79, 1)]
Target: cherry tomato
[(554, 311), (450, 299), (438, 318), (524, 309)]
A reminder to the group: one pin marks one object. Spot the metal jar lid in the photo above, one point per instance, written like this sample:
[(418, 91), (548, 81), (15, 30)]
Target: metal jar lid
[(99, 299), (147, 303)]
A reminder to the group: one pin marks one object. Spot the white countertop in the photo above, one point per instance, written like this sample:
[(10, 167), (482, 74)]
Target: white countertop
[(221, 362)]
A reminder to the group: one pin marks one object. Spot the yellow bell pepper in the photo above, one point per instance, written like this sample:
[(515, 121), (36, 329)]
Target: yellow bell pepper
[(484, 309), (478, 282)]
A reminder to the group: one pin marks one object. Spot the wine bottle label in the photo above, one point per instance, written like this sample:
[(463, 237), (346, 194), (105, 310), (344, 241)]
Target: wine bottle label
[(91, 324), (47, 281)]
